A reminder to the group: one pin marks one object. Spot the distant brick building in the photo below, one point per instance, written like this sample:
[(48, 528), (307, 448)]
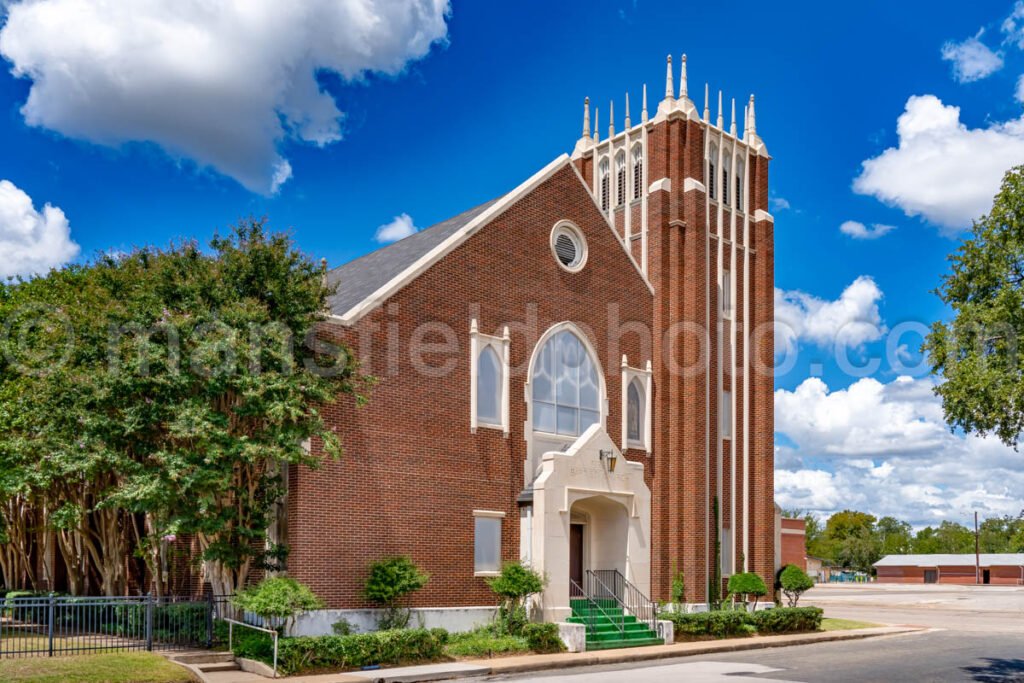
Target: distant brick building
[(1005, 569), (576, 374), (791, 542)]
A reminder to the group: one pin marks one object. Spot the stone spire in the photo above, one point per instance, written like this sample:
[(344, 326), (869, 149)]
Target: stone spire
[(628, 123), (611, 119), (720, 122), (732, 126), (643, 113), (682, 80), (597, 124), (707, 112), (586, 117), (669, 90), (753, 119)]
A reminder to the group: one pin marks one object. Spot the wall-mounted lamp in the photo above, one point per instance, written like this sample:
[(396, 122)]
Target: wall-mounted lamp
[(609, 458)]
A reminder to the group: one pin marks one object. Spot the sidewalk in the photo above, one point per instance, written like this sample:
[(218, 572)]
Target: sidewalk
[(525, 663)]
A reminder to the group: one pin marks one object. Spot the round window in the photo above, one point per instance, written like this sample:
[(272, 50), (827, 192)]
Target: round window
[(568, 246)]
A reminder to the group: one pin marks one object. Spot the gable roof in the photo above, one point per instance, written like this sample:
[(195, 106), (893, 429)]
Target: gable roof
[(368, 281), (952, 560), (365, 275)]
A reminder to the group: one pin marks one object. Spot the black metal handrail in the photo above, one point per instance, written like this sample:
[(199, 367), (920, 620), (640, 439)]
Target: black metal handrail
[(613, 585), (586, 592)]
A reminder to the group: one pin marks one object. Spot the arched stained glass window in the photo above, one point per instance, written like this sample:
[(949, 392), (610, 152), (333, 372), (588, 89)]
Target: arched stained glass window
[(566, 388)]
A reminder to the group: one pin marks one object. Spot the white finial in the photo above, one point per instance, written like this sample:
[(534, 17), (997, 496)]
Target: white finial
[(628, 125), (732, 126), (707, 112), (643, 113), (669, 90), (597, 124), (611, 119), (753, 119), (586, 117), (721, 122), (746, 122), (682, 80)]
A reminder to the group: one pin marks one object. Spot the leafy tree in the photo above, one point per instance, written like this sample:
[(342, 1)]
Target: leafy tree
[(389, 584), (795, 583), (948, 537), (894, 536), (747, 584), (976, 352), (859, 550), (514, 585), (1000, 534), (280, 599)]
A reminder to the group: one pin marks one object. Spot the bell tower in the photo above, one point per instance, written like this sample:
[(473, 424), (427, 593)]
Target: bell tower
[(688, 198)]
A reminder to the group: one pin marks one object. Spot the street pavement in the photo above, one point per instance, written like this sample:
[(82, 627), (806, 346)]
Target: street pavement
[(976, 633)]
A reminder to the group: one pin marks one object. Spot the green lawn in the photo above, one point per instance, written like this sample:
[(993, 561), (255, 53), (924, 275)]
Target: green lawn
[(125, 667), (828, 624)]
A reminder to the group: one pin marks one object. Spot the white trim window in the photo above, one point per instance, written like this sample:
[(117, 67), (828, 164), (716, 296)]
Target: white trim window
[(620, 178), (487, 542), (489, 379), (739, 185), (636, 407), (565, 386), (712, 169), (725, 410), (726, 165), (604, 183), (638, 170)]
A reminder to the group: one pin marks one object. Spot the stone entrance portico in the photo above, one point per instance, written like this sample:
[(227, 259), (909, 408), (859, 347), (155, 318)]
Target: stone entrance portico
[(592, 486)]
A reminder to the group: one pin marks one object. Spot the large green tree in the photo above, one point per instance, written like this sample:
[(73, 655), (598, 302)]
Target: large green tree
[(161, 393), (976, 352)]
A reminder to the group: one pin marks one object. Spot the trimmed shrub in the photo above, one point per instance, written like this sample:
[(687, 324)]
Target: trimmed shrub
[(747, 584), (543, 638), (717, 624), (485, 642), (794, 583), (514, 585), (788, 619), (389, 584), (385, 648), (279, 599)]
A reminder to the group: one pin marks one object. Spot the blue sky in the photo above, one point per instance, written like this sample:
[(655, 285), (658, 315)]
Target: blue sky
[(448, 110)]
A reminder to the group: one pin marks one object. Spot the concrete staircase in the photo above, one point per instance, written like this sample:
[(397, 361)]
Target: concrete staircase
[(206, 661), (608, 626)]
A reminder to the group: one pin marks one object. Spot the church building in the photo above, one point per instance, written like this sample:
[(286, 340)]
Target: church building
[(577, 374)]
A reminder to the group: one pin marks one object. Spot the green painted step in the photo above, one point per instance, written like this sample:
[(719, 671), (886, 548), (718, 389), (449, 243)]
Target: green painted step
[(610, 627)]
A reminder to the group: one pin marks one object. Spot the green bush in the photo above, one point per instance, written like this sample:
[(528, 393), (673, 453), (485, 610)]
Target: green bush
[(794, 583), (280, 599), (788, 619), (747, 584), (24, 612), (543, 638), (336, 653), (717, 624), (514, 585), (679, 588), (390, 582), (485, 642)]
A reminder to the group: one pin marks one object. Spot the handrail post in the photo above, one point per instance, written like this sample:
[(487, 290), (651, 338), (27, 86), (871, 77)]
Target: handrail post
[(275, 654)]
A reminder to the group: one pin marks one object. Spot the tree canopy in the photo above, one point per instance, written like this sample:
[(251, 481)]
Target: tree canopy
[(159, 393), (976, 353)]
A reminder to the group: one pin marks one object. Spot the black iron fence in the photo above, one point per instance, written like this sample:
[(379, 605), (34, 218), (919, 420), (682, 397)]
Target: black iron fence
[(58, 625)]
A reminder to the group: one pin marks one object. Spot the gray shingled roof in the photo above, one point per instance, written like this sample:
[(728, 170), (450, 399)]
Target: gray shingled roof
[(947, 560), (362, 277)]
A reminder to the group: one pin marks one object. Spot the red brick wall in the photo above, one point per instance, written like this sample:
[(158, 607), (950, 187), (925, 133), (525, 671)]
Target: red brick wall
[(412, 472), (794, 545)]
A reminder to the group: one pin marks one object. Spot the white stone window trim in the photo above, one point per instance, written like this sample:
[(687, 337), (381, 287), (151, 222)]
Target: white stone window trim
[(487, 514), (646, 380), (727, 294), (478, 342), (569, 228)]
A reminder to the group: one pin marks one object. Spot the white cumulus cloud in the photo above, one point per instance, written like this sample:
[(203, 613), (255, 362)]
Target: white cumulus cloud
[(847, 322), (859, 231), (942, 170), (400, 228), (31, 241), (1012, 25), (972, 59), (221, 83), (885, 448)]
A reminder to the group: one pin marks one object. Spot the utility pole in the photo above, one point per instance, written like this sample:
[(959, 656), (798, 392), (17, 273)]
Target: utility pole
[(977, 551)]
